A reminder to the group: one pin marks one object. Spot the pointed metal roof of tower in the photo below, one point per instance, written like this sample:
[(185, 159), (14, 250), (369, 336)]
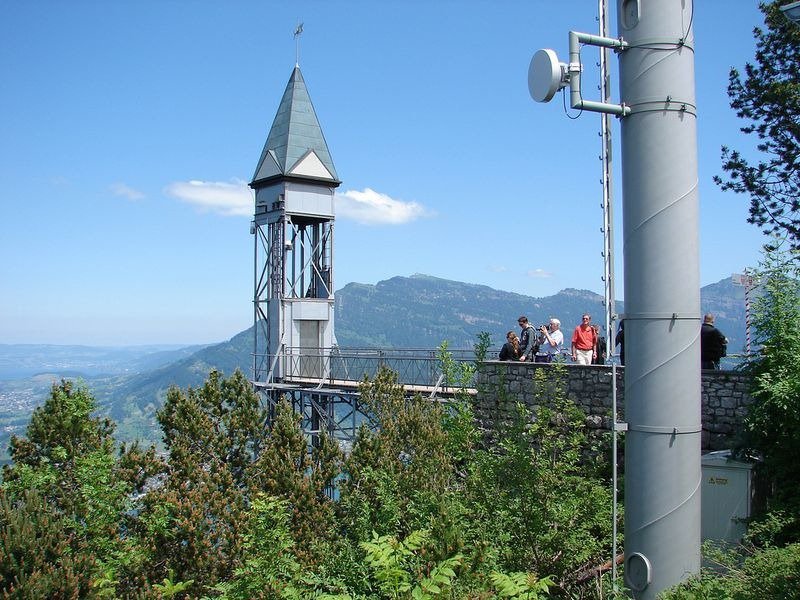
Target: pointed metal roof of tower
[(295, 145)]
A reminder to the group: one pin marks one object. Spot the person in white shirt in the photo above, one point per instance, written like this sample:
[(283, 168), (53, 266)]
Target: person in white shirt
[(551, 342)]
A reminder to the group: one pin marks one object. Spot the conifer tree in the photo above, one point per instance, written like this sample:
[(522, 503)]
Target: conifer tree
[(41, 556), (221, 421), (67, 481), (399, 474), (287, 470), (767, 97), (59, 431), (191, 522)]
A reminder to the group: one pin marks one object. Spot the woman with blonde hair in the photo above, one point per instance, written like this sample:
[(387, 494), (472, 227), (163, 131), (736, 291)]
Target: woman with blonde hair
[(510, 350)]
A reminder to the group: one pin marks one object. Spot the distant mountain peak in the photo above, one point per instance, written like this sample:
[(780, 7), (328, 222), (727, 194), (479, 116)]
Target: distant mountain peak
[(576, 293)]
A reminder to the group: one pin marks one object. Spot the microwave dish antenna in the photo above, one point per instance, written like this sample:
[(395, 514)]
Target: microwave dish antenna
[(546, 75)]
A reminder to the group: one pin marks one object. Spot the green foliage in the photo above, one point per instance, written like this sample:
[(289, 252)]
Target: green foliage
[(287, 470), (772, 425), (221, 422), (71, 486), (410, 445), (439, 581), (482, 346), (397, 566), (529, 502), (767, 97), (388, 558), (40, 554), (170, 589), (536, 500), (269, 568), (458, 418), (456, 374), (222, 458), (463, 438), (239, 508), (189, 524), (521, 586), (400, 476), (746, 575), (770, 528), (60, 430)]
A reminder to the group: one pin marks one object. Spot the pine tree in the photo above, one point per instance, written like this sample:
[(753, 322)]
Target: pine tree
[(287, 470), (67, 481), (59, 431), (399, 475), (41, 555), (767, 97), (191, 522)]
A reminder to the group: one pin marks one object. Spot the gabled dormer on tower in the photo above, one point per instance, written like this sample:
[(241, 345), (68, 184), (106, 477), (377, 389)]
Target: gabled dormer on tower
[(294, 185)]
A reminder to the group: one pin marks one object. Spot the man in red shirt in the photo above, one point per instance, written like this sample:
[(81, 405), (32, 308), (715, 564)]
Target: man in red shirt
[(584, 342)]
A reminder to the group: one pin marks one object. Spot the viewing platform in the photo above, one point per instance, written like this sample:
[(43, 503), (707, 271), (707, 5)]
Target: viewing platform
[(418, 370)]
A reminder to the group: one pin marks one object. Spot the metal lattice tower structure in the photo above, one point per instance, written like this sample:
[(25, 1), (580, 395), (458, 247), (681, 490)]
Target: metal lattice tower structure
[(294, 185), (295, 354)]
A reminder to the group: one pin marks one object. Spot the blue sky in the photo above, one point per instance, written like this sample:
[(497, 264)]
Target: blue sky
[(128, 131)]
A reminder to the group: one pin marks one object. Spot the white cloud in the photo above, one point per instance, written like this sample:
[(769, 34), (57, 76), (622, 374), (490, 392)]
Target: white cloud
[(498, 268), (539, 274), (121, 189), (228, 199), (373, 208), (236, 199)]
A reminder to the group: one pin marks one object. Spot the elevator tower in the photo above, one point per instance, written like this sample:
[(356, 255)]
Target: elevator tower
[(293, 301)]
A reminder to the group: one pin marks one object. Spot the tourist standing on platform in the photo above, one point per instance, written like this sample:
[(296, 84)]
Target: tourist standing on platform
[(527, 339), (551, 342), (584, 342), (713, 345), (619, 340), (510, 350), (600, 348)]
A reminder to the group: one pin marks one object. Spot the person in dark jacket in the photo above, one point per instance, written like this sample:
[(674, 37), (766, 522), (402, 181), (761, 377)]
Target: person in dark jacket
[(510, 350), (527, 339), (713, 345), (619, 340), (600, 348)]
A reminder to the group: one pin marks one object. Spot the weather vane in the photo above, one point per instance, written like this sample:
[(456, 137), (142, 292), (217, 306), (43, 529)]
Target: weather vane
[(298, 31)]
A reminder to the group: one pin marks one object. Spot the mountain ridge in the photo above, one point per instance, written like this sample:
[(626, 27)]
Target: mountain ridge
[(419, 311)]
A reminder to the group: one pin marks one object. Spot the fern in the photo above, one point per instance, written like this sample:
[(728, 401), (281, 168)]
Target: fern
[(392, 562), (521, 586), (439, 581), (169, 589)]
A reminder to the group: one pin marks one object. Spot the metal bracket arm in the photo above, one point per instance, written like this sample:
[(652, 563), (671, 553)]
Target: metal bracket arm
[(574, 73)]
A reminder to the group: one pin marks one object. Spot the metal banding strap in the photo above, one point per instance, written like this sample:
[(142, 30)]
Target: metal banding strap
[(665, 430), (656, 316), (664, 43), (663, 105)]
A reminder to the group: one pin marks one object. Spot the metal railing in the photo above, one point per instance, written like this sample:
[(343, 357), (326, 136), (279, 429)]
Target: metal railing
[(331, 365)]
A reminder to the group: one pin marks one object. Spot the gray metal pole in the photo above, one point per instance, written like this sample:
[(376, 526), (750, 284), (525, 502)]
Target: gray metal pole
[(662, 295), (608, 267)]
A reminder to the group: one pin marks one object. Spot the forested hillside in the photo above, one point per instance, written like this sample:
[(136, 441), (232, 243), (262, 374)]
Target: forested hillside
[(422, 311)]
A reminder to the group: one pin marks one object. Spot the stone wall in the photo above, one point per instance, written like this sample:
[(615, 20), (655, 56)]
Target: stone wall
[(501, 385)]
